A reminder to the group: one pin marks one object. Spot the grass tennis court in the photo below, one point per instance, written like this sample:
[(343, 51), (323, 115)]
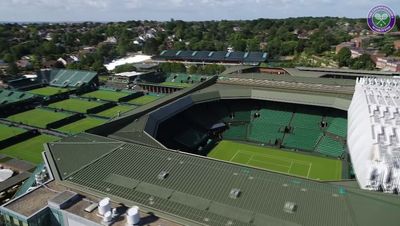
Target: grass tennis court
[(113, 112), (8, 132), (144, 100), (292, 163), (76, 105), (81, 125), (29, 150), (106, 95), (38, 117), (176, 84), (48, 91)]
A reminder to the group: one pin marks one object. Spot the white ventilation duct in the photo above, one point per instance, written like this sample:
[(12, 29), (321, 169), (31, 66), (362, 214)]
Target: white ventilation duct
[(104, 206), (133, 216), (107, 217)]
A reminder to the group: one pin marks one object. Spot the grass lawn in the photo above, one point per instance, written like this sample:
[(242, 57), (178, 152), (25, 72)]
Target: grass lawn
[(113, 112), (48, 91), (292, 163), (143, 100), (8, 132), (81, 125), (76, 105), (106, 95), (38, 117), (29, 150), (176, 84)]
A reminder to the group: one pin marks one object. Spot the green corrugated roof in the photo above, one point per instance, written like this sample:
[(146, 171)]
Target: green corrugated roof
[(197, 188)]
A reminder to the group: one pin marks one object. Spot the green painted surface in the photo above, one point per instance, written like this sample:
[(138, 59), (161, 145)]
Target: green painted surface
[(81, 125), (38, 117), (106, 95), (113, 112), (8, 132), (29, 150), (291, 163), (76, 105), (48, 91), (144, 100)]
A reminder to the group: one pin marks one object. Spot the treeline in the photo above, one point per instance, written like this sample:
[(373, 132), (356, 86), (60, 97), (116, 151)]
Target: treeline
[(208, 69), (363, 62)]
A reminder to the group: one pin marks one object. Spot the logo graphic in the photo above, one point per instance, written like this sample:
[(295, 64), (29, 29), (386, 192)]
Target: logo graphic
[(381, 19)]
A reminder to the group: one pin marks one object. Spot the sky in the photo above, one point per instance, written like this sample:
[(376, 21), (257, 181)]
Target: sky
[(189, 10)]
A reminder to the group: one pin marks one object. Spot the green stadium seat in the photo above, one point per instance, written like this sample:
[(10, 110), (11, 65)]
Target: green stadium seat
[(270, 116), (236, 132), (302, 138), (305, 120), (337, 126), (330, 147), (264, 133)]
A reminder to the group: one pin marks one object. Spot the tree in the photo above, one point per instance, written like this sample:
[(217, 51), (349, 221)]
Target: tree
[(388, 49), (363, 62), (151, 46), (12, 69), (192, 69), (344, 57), (124, 68)]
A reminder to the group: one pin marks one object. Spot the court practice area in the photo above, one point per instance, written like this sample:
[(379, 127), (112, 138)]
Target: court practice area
[(106, 95), (287, 162), (29, 150), (48, 91)]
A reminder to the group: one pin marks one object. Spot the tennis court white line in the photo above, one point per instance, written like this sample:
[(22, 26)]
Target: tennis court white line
[(309, 169), (234, 156), (290, 167), (270, 163)]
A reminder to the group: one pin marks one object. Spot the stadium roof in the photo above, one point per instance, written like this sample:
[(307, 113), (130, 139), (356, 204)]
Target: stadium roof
[(213, 56), (10, 96), (325, 72), (202, 191)]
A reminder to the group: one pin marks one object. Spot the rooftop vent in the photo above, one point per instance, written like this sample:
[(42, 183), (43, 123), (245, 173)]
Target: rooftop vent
[(133, 216), (290, 207), (107, 218), (104, 206), (163, 175), (234, 193)]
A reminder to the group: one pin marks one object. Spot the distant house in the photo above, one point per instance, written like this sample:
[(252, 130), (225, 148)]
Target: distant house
[(23, 63), (388, 64), (49, 64), (63, 61), (3, 65), (87, 49), (396, 44), (303, 36), (356, 52), (111, 40), (342, 45)]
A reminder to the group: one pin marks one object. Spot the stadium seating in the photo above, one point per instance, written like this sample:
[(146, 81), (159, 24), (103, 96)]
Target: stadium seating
[(183, 78), (330, 147), (302, 138), (337, 126), (73, 78), (236, 132), (264, 133), (278, 117), (306, 120)]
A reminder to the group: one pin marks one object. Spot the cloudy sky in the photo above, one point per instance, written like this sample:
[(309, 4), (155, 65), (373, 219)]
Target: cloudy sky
[(122, 10)]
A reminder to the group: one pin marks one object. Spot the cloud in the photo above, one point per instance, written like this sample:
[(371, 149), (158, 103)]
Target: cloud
[(121, 10)]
